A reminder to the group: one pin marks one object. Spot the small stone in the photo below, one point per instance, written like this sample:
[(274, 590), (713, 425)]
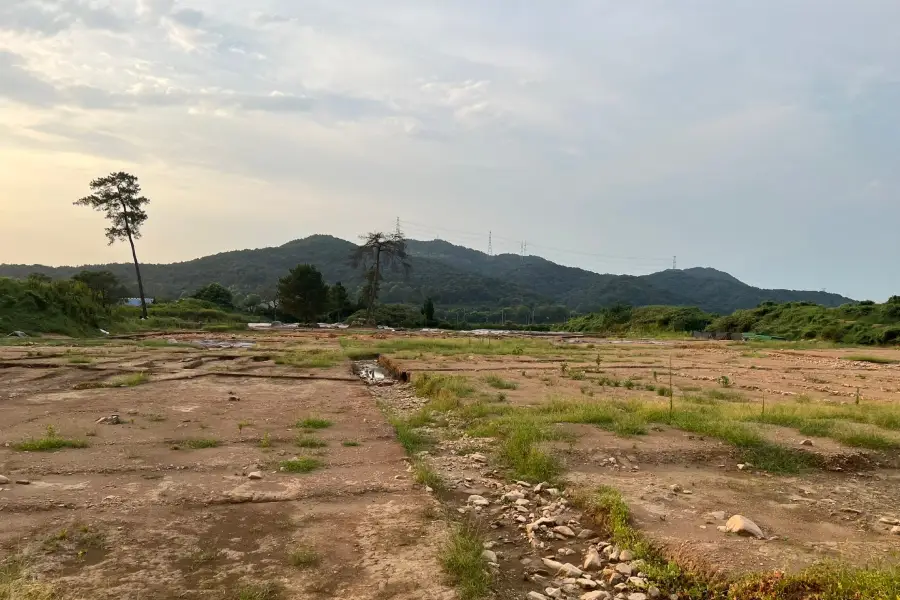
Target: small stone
[(536, 596), (571, 570), (564, 530), (626, 555), (587, 583), (553, 592), (718, 515), (234, 398), (478, 457), (513, 496), (592, 559), (489, 555), (255, 475), (585, 534), (3, 480), (744, 466), (676, 488), (597, 595), (552, 564), (523, 502), (653, 592), (637, 582), (806, 443), (743, 526), (895, 530), (478, 500), (885, 520), (565, 551), (637, 596), (22, 481), (624, 569)]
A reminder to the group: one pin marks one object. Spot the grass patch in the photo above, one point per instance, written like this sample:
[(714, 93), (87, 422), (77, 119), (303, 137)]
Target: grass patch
[(300, 465), (49, 443), (314, 423), (866, 439), (80, 360), (310, 442), (437, 385), (199, 443), (259, 591), (350, 443), (16, 584), (519, 450), (412, 441), (499, 383), (725, 395), (265, 441), (825, 581), (878, 360), (132, 380), (304, 557), (423, 474), (462, 561), (621, 418), (314, 358)]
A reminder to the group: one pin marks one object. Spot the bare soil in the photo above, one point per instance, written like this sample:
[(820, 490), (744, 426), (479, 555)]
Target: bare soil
[(139, 514)]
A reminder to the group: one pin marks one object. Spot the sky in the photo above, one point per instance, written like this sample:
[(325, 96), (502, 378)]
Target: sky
[(757, 137)]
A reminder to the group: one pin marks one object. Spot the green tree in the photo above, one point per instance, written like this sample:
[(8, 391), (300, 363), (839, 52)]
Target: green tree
[(377, 252), (216, 293), (39, 278), (252, 302), (428, 312), (119, 196), (303, 294), (105, 286), (339, 301)]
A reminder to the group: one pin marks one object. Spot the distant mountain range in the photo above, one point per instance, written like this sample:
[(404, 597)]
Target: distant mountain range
[(453, 276)]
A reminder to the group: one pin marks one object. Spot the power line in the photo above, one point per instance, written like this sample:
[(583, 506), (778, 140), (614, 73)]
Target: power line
[(523, 245)]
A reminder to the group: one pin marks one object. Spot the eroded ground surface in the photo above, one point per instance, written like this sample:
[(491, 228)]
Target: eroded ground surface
[(146, 511)]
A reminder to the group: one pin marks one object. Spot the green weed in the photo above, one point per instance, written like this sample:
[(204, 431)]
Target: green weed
[(310, 442), (313, 423), (499, 383), (199, 443), (300, 465), (461, 559)]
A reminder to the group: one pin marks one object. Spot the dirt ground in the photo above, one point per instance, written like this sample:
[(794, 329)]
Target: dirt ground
[(843, 512), (139, 514)]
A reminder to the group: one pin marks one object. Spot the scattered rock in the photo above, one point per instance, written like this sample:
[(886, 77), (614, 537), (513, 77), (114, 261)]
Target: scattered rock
[(718, 515), (895, 530), (592, 560), (255, 475), (109, 420), (552, 564), (553, 592), (3, 480), (18, 334), (624, 569), (564, 530), (489, 555), (571, 570), (585, 534), (233, 398), (597, 595), (536, 596), (637, 596), (744, 467), (586, 583), (743, 526), (513, 496), (654, 592), (676, 488), (806, 443), (478, 500), (626, 555), (885, 520), (478, 457)]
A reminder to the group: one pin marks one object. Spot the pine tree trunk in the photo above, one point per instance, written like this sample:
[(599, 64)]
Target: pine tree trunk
[(374, 284), (137, 268)]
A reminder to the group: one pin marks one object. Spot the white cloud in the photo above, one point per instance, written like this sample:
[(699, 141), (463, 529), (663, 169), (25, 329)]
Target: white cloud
[(603, 117)]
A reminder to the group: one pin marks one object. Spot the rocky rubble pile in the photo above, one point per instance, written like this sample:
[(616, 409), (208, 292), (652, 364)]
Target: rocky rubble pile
[(537, 529)]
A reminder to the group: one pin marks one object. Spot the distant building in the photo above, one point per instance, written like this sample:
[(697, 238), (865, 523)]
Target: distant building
[(135, 301)]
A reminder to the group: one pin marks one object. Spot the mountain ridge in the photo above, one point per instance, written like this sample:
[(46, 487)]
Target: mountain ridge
[(453, 275)]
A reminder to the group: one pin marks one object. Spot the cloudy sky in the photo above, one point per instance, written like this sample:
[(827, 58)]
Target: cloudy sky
[(758, 137)]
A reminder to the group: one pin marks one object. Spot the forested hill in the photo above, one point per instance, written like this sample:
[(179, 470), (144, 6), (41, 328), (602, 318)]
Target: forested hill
[(453, 276)]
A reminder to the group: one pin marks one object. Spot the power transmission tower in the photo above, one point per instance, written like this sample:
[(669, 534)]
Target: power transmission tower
[(398, 225), (674, 262), (490, 245)]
